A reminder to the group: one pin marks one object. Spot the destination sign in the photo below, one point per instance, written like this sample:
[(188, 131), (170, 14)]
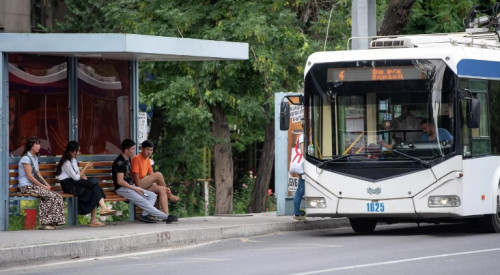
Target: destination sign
[(386, 73)]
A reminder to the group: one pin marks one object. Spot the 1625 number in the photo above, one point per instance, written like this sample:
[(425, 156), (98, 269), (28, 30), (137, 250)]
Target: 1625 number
[(375, 207)]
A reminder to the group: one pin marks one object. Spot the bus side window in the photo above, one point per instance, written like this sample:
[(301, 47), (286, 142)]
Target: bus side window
[(481, 140)]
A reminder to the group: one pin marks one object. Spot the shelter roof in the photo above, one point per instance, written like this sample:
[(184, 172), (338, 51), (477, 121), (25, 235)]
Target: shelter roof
[(122, 46)]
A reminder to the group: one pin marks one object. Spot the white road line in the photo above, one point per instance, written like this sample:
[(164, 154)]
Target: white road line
[(133, 254), (398, 261)]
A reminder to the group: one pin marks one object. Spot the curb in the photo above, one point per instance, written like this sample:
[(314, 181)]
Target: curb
[(161, 239)]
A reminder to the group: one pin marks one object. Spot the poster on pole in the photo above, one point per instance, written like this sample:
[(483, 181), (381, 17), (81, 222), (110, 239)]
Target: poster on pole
[(142, 127)]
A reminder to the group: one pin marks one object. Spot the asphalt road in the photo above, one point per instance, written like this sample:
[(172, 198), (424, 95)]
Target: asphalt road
[(391, 249)]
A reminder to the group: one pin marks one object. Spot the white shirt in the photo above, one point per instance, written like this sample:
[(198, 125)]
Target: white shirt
[(69, 170)]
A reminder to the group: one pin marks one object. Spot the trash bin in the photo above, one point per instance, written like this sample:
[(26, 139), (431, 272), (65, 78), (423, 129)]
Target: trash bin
[(30, 219)]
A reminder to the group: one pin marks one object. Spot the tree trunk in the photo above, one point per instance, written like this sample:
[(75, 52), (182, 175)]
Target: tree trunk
[(264, 173), (157, 124), (396, 16), (223, 162)]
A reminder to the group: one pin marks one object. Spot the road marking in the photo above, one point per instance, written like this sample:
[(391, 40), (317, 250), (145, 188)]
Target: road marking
[(133, 254), (320, 245), (246, 240), (398, 261)]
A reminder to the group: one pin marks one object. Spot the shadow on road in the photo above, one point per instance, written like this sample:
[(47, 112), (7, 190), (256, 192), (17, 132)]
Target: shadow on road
[(405, 229)]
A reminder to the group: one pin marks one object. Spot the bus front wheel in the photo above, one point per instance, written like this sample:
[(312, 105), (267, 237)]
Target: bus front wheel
[(491, 223), (363, 225)]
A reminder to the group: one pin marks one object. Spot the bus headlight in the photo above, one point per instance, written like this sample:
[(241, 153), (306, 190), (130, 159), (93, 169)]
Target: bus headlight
[(312, 202), (444, 201)]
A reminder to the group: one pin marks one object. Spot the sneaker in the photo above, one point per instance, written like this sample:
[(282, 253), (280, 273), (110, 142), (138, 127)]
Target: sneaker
[(147, 219), (299, 218), (171, 218)]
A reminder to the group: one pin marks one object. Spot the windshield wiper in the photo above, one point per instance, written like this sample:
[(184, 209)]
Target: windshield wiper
[(338, 158), (421, 161)]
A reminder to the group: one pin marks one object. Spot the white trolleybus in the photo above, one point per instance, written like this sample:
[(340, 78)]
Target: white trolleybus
[(407, 130)]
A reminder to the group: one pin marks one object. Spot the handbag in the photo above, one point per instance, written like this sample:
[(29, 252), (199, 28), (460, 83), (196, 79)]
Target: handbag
[(34, 172), (297, 160), (68, 186)]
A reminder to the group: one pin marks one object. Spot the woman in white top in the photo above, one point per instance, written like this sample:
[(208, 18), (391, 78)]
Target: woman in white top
[(88, 191)]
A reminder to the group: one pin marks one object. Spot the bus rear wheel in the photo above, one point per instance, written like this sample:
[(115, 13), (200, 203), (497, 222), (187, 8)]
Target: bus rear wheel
[(363, 225)]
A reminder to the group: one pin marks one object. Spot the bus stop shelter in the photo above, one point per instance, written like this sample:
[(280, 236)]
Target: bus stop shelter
[(82, 87)]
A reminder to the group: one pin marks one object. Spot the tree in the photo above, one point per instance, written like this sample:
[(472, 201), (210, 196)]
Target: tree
[(396, 16), (236, 92)]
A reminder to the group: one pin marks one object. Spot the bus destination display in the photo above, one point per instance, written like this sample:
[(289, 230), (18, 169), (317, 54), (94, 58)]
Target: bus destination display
[(386, 73)]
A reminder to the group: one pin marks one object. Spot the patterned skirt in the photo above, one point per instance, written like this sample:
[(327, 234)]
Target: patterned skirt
[(50, 205)]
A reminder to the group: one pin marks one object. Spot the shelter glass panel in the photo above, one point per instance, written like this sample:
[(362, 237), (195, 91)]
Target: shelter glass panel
[(103, 105), (38, 102)]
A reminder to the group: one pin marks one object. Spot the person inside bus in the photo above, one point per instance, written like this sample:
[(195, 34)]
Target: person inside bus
[(387, 127), (430, 134), (407, 124)]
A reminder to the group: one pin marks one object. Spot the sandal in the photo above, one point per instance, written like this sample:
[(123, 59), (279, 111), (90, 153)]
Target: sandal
[(96, 223), (107, 212), (47, 227)]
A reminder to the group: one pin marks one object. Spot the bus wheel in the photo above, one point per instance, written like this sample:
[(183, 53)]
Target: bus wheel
[(363, 225), (491, 223)]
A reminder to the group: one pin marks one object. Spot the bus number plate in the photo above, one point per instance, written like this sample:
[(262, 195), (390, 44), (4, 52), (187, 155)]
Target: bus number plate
[(375, 207)]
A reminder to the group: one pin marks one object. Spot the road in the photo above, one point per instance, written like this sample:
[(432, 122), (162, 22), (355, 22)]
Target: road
[(392, 249)]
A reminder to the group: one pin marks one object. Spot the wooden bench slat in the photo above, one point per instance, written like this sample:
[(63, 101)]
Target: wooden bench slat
[(47, 166), (98, 171)]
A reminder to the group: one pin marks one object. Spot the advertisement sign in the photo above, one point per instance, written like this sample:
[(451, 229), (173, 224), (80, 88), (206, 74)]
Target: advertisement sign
[(294, 132)]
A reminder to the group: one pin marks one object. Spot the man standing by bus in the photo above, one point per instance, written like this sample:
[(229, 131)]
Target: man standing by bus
[(143, 175)]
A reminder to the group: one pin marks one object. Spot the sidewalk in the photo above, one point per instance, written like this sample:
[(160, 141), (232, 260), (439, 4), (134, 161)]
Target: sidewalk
[(71, 242)]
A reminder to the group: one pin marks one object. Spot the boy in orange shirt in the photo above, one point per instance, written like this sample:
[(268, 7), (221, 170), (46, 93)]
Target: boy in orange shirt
[(143, 175)]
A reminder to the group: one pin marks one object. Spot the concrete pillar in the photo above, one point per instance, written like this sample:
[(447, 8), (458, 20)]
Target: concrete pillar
[(363, 14)]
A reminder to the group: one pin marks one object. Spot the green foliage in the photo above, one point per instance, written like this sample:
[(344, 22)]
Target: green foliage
[(192, 199), (242, 194), (435, 16), (16, 222), (122, 213), (101, 16)]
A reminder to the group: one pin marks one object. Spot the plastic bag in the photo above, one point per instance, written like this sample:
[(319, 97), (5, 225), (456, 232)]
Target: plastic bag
[(297, 160)]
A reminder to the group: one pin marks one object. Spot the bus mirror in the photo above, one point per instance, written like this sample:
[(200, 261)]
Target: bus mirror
[(301, 100), (284, 115), (473, 113)]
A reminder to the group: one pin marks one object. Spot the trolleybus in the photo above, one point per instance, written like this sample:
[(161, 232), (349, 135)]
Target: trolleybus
[(407, 130)]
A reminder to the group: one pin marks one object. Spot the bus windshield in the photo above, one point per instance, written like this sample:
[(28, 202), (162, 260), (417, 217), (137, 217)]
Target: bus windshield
[(383, 110)]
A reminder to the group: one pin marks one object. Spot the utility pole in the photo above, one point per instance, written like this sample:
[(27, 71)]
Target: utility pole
[(363, 15)]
